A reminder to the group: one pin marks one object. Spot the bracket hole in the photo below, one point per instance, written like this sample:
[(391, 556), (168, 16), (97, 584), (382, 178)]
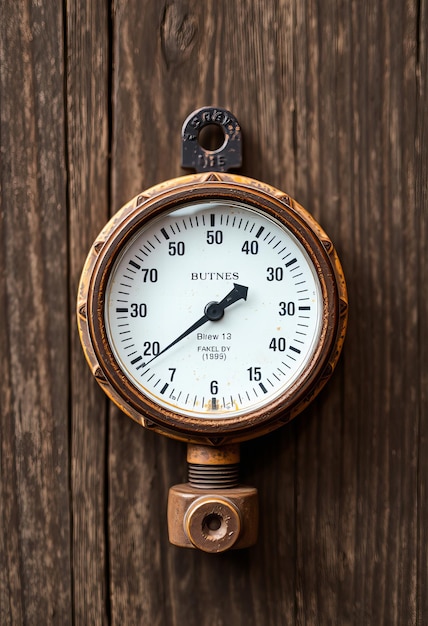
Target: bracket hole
[(211, 137)]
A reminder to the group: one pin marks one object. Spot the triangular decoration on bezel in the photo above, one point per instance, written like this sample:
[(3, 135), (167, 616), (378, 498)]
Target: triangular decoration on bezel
[(141, 198), (98, 245), (215, 441), (213, 176), (82, 310)]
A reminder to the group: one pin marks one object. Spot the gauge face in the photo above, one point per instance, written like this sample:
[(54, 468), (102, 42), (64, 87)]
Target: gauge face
[(213, 310)]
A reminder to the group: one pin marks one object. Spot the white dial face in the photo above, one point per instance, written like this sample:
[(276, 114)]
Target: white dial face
[(213, 310)]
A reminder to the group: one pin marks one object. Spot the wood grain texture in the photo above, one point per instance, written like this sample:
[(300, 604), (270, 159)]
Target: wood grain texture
[(87, 89), (420, 309), (332, 100), (35, 571)]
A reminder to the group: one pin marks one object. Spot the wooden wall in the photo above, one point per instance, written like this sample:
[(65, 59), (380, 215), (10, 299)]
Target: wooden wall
[(332, 99)]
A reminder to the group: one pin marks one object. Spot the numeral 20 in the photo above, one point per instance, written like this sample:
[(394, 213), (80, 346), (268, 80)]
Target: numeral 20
[(151, 348)]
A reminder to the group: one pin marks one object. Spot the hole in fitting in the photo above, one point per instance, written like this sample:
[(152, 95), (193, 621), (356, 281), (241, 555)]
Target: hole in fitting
[(212, 525), (211, 137)]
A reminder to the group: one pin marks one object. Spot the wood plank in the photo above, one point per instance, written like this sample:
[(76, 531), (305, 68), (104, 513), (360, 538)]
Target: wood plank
[(325, 96), (419, 325), (361, 539), (88, 71), (35, 572)]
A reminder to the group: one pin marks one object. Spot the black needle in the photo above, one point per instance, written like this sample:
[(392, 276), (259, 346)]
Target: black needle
[(214, 311)]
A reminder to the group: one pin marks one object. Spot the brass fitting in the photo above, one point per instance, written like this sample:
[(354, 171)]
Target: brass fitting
[(212, 512)]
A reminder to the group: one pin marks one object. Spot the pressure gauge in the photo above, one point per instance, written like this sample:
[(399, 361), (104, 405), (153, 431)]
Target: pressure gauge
[(212, 307)]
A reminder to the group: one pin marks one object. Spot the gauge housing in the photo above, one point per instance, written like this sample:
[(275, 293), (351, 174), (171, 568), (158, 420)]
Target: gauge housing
[(149, 206)]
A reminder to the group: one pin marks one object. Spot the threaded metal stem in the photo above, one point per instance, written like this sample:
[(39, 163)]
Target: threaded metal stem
[(213, 476)]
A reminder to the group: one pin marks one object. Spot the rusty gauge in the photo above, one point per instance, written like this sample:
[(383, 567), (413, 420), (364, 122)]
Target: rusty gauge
[(212, 308)]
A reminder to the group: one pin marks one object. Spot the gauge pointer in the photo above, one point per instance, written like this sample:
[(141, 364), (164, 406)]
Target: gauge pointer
[(214, 311)]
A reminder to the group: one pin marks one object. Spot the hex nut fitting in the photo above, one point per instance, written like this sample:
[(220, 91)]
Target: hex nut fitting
[(212, 520)]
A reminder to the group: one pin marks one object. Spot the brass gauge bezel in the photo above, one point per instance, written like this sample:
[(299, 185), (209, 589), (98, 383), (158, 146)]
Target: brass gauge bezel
[(164, 198)]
